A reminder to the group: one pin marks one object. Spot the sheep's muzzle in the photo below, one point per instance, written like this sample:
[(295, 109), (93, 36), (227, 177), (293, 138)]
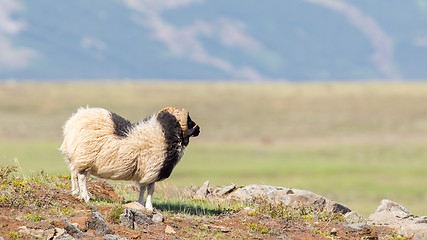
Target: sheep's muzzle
[(184, 123)]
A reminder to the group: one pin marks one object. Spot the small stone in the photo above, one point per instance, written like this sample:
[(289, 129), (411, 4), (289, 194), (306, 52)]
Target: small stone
[(422, 220), (49, 233), (92, 208), (157, 218), (354, 217), (127, 219), (24, 230), (113, 237), (38, 233), (98, 224), (72, 229), (226, 190), (222, 229), (203, 191), (59, 231), (135, 205), (355, 227), (141, 218), (249, 210), (169, 230), (64, 236)]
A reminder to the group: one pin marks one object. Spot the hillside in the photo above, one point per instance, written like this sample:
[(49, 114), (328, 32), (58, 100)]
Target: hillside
[(211, 40), (40, 206)]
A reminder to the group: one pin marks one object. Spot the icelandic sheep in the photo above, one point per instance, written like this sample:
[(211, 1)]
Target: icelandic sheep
[(104, 144)]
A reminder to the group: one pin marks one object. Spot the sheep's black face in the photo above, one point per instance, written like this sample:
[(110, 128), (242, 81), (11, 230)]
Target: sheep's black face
[(191, 125), (196, 132)]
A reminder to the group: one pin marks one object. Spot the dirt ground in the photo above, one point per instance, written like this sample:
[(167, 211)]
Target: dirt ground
[(232, 224)]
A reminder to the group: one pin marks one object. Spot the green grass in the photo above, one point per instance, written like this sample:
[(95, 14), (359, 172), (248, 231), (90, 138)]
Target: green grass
[(356, 143), (33, 157)]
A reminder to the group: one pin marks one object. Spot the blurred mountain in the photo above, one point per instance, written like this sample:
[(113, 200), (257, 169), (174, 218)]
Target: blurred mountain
[(213, 39)]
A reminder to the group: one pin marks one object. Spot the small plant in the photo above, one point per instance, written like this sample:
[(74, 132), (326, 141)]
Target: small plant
[(220, 235), (34, 217), (279, 210), (62, 185), (6, 171), (67, 177), (4, 199), (399, 238), (256, 228), (329, 235), (13, 235), (65, 211), (18, 184), (114, 215)]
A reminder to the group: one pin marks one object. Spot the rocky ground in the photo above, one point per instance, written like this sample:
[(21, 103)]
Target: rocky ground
[(42, 208)]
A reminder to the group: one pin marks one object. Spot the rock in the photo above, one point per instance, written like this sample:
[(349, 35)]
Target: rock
[(336, 207), (44, 232), (135, 205), (49, 233), (169, 230), (72, 229), (393, 215), (80, 221), (391, 208), (389, 213), (130, 216), (92, 208), (222, 229), (356, 227), (422, 220), (141, 218), (248, 210), (203, 191), (290, 197), (98, 224), (354, 217), (59, 232), (157, 218), (334, 231), (225, 190), (64, 236), (127, 219), (113, 237), (38, 233), (252, 191)]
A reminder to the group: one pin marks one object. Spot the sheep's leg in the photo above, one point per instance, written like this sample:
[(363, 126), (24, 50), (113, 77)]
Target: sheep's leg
[(141, 194), (74, 184), (150, 191), (81, 176)]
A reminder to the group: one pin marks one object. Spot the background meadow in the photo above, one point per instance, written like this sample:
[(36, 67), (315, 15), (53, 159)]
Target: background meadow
[(356, 143)]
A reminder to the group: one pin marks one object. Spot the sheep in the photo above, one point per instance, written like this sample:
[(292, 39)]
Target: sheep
[(106, 145)]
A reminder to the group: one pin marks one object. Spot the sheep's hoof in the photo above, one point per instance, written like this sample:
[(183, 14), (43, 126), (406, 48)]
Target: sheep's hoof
[(86, 199), (149, 208)]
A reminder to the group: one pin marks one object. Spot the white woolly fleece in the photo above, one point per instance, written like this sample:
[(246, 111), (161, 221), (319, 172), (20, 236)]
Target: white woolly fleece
[(90, 145)]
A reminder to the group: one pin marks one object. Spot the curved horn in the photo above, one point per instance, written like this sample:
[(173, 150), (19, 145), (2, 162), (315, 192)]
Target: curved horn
[(184, 119)]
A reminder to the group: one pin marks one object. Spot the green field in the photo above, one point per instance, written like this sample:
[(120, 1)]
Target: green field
[(356, 143)]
